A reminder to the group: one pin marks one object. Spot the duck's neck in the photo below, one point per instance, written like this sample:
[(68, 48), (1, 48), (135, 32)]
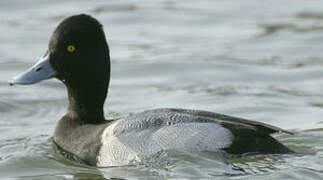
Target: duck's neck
[(86, 103)]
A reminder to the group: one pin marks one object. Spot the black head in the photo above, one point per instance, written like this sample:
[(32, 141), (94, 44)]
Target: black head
[(79, 51), (78, 55)]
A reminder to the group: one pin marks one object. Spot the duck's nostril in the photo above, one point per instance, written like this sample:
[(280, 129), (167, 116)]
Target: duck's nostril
[(38, 69)]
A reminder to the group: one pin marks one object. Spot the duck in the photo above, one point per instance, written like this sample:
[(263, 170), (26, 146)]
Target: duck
[(78, 55)]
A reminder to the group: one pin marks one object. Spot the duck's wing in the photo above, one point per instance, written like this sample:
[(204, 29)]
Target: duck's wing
[(167, 116), (248, 136), (228, 121)]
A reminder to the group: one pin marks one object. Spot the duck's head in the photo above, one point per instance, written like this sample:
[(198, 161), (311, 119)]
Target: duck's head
[(78, 55), (77, 52)]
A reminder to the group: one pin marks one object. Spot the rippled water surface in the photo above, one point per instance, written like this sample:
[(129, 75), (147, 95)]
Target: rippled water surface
[(261, 60)]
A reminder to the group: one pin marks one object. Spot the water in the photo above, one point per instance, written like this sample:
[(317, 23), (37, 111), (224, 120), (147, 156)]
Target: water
[(261, 60)]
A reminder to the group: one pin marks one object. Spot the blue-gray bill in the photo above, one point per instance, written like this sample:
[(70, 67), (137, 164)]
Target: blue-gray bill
[(40, 71)]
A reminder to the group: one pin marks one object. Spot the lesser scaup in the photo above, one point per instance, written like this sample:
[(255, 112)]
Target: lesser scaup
[(78, 55)]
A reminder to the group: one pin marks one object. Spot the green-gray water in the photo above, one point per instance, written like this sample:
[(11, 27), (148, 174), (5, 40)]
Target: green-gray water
[(261, 60)]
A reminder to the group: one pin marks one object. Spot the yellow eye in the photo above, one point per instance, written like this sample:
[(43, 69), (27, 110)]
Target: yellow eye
[(70, 48)]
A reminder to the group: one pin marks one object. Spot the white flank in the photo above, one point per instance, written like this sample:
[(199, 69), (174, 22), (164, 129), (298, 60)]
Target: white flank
[(121, 147)]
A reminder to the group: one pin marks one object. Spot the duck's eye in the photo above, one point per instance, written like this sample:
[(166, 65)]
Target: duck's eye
[(71, 48)]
